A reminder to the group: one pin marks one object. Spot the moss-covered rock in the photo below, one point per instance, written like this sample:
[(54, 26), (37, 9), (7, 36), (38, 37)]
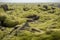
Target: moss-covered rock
[(2, 16), (10, 23)]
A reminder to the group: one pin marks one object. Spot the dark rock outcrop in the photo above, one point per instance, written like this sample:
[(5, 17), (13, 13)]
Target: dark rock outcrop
[(25, 26), (5, 7), (25, 9), (33, 17), (53, 8), (34, 30)]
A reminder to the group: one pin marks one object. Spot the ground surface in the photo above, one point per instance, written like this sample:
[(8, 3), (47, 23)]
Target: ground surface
[(29, 22)]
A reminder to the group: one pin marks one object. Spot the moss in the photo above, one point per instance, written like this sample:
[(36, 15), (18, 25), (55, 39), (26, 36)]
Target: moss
[(10, 23), (2, 16), (47, 21)]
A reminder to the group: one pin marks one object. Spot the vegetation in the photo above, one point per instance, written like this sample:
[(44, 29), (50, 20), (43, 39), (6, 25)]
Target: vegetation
[(29, 22)]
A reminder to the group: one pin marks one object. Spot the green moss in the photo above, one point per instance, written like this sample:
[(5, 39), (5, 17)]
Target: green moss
[(2, 16), (10, 23), (48, 23)]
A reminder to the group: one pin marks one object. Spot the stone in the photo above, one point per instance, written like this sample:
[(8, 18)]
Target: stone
[(45, 6), (52, 8), (5, 7), (25, 9), (35, 30), (25, 26), (34, 17)]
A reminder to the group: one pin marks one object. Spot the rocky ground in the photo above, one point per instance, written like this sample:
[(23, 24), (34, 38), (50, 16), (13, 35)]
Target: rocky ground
[(30, 21)]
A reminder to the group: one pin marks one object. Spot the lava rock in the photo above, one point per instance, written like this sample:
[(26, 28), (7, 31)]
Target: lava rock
[(10, 23), (14, 28), (0, 23), (2, 17), (5, 7), (3, 28), (51, 12), (45, 6), (34, 17), (25, 26), (0, 27), (38, 5), (25, 9), (52, 8), (35, 30), (30, 20)]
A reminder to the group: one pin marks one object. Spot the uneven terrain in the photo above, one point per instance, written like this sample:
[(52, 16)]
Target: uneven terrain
[(30, 21)]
